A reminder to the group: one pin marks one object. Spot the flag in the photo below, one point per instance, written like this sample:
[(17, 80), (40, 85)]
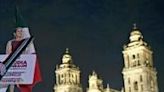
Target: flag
[(29, 50), (37, 75)]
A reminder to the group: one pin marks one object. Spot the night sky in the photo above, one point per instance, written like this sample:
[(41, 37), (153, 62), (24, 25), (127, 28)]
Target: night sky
[(94, 31)]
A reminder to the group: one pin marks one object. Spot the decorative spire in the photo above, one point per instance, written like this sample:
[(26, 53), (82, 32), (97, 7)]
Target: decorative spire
[(107, 88), (67, 51), (94, 73), (134, 26)]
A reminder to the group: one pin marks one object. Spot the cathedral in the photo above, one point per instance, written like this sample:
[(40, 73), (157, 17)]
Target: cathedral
[(139, 73)]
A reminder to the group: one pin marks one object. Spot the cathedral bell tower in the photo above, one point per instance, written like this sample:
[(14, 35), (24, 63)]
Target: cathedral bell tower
[(139, 73), (67, 75)]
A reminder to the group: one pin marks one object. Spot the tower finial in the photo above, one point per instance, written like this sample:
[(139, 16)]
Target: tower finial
[(67, 50), (134, 26), (108, 86), (94, 73)]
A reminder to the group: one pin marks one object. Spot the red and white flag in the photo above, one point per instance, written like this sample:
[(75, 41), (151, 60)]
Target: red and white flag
[(29, 50), (37, 75)]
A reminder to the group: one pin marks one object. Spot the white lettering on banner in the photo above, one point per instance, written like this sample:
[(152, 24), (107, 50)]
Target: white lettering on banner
[(22, 70)]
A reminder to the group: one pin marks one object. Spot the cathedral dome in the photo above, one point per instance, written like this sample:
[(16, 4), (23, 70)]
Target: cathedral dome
[(135, 32), (135, 35)]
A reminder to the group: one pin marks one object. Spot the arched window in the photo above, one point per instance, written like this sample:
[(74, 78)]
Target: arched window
[(139, 62), (134, 57), (136, 85), (141, 79), (134, 62), (128, 80), (138, 55), (128, 64), (142, 87)]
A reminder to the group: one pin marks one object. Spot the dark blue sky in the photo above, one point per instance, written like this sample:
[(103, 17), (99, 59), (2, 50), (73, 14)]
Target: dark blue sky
[(94, 30)]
